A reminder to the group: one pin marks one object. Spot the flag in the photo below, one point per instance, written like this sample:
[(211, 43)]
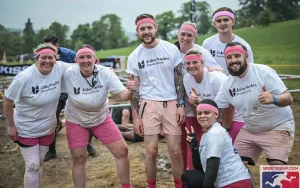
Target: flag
[(4, 57), (193, 3)]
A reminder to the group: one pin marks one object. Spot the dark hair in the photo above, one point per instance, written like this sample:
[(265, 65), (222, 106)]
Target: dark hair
[(51, 39), (209, 101), (223, 9), (235, 44), (142, 16), (86, 46)]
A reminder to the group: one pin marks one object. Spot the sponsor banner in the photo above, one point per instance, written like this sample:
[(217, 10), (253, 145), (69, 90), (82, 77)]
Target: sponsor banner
[(12, 70), (279, 176)]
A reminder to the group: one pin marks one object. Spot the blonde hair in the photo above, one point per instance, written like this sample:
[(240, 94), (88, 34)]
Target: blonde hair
[(45, 46), (193, 51)]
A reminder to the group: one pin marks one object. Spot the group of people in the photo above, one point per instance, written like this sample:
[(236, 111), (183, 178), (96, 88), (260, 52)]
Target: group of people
[(179, 90)]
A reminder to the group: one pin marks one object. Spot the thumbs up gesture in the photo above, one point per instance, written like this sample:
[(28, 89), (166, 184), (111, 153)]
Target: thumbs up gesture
[(194, 97), (130, 83), (265, 97)]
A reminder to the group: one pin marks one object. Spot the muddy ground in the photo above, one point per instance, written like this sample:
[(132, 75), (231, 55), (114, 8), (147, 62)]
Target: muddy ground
[(101, 168)]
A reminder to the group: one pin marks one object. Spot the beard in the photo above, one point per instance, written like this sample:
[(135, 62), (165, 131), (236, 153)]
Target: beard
[(149, 42), (242, 69)]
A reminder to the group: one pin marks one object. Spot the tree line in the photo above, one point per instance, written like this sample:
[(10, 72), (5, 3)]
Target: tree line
[(107, 32)]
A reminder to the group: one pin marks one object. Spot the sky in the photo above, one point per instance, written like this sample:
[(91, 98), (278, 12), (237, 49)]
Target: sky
[(14, 13)]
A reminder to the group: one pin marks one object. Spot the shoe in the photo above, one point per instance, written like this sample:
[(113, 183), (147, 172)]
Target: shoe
[(50, 155), (91, 150)]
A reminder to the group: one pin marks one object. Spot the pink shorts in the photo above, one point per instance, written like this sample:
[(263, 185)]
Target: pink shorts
[(78, 136), (159, 115), (43, 140), (235, 129), (240, 184), (276, 144)]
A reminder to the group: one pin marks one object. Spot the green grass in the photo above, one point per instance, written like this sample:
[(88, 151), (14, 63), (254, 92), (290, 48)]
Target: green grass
[(279, 43)]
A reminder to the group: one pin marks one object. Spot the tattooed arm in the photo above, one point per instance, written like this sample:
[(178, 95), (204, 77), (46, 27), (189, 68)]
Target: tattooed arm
[(135, 105), (180, 114)]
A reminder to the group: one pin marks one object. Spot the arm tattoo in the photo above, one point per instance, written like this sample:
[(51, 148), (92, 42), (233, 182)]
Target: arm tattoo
[(136, 100), (179, 82)]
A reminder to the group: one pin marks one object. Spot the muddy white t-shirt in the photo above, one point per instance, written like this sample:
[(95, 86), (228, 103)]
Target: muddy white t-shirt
[(36, 97), (243, 93), (155, 68), (207, 57), (216, 48), (207, 89), (218, 143), (87, 105)]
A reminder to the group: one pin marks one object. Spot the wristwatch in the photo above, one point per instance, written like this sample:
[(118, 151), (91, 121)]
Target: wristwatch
[(180, 105)]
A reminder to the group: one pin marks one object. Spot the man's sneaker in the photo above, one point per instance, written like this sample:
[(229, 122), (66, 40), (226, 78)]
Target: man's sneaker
[(91, 150), (50, 155)]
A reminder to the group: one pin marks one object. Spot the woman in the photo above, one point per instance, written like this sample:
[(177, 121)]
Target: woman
[(35, 93), (187, 37), (87, 85), (216, 161), (200, 84)]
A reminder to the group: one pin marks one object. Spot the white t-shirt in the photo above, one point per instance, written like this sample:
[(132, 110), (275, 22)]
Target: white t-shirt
[(207, 57), (243, 93), (216, 48), (207, 89), (217, 143), (36, 97), (155, 68), (87, 105)]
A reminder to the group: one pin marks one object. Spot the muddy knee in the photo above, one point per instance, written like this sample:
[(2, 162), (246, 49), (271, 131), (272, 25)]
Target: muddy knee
[(34, 167)]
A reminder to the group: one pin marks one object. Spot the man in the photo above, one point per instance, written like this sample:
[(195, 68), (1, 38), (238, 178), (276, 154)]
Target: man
[(68, 56), (157, 72), (223, 20), (269, 122)]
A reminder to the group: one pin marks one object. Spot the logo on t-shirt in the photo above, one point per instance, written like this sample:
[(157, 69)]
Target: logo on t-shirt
[(35, 90), (141, 64), (213, 52), (76, 91), (232, 92), (283, 176)]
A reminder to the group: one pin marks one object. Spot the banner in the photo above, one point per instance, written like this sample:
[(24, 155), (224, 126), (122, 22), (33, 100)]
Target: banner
[(12, 70)]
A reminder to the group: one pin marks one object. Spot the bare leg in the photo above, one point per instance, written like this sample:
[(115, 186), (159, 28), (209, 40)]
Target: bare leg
[(174, 148), (79, 156), (151, 149)]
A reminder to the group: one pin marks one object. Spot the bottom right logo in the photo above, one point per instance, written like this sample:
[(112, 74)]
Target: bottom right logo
[(279, 176)]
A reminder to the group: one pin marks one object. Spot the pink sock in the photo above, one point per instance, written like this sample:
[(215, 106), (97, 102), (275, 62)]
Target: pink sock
[(127, 185), (178, 183), (151, 183)]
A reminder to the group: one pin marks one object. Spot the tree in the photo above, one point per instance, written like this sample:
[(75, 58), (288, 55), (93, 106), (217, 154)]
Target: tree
[(108, 33), (81, 35), (28, 38), (41, 35), (166, 24), (10, 42), (202, 20), (60, 31)]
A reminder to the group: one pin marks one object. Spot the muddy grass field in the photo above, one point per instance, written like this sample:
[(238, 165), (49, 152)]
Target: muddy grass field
[(101, 171)]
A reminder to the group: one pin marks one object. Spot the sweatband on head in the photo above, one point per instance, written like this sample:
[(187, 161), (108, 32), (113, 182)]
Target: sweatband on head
[(85, 50), (149, 20), (189, 27), (207, 107), (223, 13), (235, 49), (45, 50), (193, 57)]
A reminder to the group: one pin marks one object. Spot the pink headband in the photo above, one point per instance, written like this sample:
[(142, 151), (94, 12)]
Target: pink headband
[(223, 13), (235, 49), (85, 50), (45, 50), (193, 57), (189, 27), (145, 20), (207, 107)]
